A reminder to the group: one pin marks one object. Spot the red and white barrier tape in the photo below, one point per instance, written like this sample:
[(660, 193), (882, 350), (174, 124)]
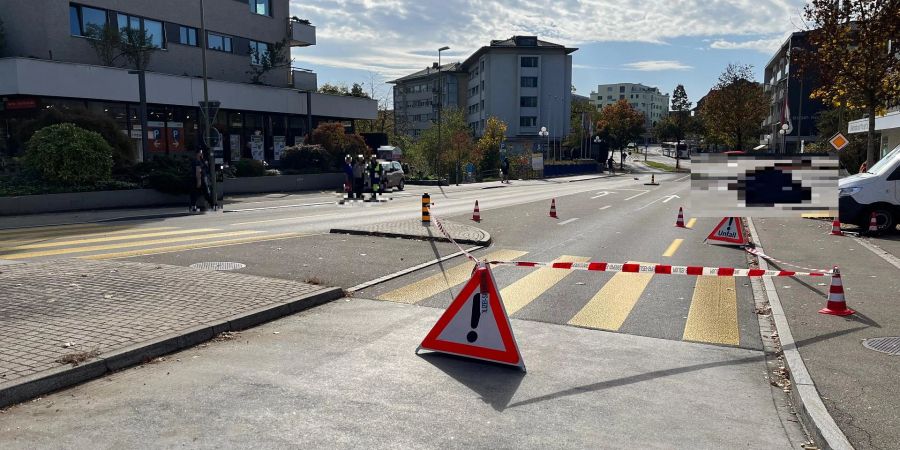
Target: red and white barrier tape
[(760, 254), (445, 233), (661, 269)]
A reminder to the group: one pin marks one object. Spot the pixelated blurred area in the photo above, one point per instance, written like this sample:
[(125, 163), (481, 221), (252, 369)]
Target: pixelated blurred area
[(746, 185)]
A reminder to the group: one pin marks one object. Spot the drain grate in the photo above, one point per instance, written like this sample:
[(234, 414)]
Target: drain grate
[(889, 345), (218, 266)]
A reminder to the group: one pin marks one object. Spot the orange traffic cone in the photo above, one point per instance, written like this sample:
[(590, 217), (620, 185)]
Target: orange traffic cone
[(836, 305), (836, 228), (680, 222), (873, 223), (476, 215), (553, 208)]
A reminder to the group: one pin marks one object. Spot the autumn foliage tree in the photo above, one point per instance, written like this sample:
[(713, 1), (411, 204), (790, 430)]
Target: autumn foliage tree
[(487, 149), (337, 142), (855, 55), (620, 123), (735, 108)]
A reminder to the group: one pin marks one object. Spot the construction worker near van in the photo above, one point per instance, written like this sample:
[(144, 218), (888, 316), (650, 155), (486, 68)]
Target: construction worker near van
[(375, 177), (359, 172), (348, 176)]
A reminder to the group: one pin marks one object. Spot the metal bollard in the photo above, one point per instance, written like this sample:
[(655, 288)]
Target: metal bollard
[(426, 212)]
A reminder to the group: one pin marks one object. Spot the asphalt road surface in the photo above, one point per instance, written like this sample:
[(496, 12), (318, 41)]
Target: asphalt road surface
[(615, 360)]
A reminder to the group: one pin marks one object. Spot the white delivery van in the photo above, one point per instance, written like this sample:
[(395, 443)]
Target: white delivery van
[(876, 190)]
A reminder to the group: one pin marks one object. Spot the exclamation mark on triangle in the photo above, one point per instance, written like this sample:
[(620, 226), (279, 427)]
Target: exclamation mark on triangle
[(476, 316)]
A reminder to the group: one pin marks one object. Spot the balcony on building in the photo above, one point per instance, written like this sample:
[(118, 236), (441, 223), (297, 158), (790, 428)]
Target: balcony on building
[(301, 33), (304, 80)]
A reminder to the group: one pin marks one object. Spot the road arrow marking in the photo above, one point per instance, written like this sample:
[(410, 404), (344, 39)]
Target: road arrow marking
[(670, 197), (601, 194)]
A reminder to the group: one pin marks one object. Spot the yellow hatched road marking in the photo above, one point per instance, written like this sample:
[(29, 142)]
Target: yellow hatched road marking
[(123, 237), (612, 304), (437, 283), (194, 246), (94, 248), (713, 314), (691, 222), (524, 291), (673, 247)]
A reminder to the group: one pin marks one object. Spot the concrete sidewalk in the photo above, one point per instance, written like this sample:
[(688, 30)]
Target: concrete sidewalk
[(857, 385), (63, 322)]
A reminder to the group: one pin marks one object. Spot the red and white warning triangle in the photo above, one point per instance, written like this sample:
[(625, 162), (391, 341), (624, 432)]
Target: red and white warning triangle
[(730, 231), (475, 324)]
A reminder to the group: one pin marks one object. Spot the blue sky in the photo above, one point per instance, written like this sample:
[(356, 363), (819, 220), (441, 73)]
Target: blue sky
[(654, 42)]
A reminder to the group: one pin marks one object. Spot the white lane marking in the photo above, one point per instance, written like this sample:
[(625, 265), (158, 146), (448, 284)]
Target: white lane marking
[(891, 259), (568, 221), (670, 197), (605, 207), (682, 178), (636, 195), (601, 194)]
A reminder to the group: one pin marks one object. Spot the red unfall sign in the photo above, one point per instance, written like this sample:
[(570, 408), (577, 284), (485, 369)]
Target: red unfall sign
[(21, 103)]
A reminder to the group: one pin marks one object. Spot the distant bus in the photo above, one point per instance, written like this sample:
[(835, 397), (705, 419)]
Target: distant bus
[(675, 150)]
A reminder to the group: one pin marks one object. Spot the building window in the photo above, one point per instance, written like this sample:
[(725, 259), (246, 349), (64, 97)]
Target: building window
[(152, 28), (261, 7), (218, 42), (621, 96), (529, 61), (529, 81), (621, 88), (528, 102), (187, 36), (528, 121), (609, 89), (82, 20), (258, 51)]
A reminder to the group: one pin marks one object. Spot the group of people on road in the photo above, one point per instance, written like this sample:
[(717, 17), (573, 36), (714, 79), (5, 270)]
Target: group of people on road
[(360, 176), (200, 185)]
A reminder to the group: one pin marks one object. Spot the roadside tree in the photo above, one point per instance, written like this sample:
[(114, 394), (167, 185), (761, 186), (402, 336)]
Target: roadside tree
[(735, 108), (338, 143), (68, 155), (106, 43), (583, 113), (856, 56), (487, 149)]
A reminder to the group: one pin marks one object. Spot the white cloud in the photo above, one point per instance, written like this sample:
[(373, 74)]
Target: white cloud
[(767, 46), (654, 66), (396, 37)]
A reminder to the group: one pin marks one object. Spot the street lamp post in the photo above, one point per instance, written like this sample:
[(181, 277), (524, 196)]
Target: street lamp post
[(437, 157), (545, 133)]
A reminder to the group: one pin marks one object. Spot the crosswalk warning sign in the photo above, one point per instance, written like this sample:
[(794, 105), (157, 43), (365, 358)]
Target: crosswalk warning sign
[(730, 231), (476, 325)]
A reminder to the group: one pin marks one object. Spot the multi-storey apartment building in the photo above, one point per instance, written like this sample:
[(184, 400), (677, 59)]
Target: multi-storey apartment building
[(791, 103), (416, 96), (48, 62), (646, 99), (524, 81)]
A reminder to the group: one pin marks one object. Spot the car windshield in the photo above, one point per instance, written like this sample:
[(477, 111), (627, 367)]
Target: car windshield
[(885, 162)]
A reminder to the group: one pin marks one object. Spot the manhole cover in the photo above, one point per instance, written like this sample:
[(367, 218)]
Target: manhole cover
[(889, 345), (218, 266)]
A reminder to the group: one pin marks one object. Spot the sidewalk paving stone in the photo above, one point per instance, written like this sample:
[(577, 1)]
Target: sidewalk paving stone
[(114, 314), (857, 385)]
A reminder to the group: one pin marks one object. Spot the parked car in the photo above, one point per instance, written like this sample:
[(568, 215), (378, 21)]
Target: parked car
[(394, 176), (875, 190)]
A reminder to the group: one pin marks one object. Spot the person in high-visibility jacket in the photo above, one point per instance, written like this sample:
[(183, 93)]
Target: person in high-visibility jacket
[(375, 173)]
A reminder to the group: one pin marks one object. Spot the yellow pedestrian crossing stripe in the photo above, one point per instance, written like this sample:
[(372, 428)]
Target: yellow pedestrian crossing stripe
[(107, 239), (519, 294), (6, 242), (713, 314), (712, 317), (95, 248), (193, 246), (609, 308), (437, 283)]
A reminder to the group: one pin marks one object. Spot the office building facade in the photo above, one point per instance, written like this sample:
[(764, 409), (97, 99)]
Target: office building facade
[(48, 62), (417, 97)]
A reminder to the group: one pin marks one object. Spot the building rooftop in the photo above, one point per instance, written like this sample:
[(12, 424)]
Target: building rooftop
[(451, 67), (518, 42)]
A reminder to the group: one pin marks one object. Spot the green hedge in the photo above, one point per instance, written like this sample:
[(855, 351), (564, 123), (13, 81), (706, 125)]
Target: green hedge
[(67, 155), (249, 168), (123, 148)]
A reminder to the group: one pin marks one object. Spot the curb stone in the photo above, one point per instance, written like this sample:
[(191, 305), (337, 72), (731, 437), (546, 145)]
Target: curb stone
[(66, 376), (810, 408)]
